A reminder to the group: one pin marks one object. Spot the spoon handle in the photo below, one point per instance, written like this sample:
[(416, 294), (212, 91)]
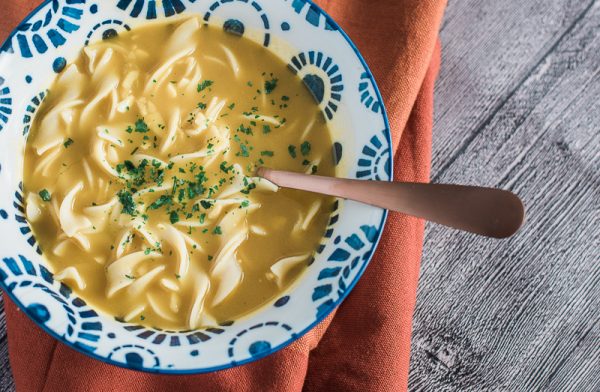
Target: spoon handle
[(485, 211)]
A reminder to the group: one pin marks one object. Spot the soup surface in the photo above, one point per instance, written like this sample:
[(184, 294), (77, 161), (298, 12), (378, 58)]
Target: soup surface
[(139, 176)]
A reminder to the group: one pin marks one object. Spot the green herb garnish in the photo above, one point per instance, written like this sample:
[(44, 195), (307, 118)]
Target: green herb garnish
[(248, 189), (141, 126), (45, 195), (126, 199), (244, 151), (224, 168), (292, 151), (162, 201), (68, 142), (204, 85), (206, 204), (305, 148), (270, 85), (245, 130)]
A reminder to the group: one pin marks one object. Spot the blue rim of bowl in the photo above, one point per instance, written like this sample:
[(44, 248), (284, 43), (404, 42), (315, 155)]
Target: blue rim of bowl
[(297, 336)]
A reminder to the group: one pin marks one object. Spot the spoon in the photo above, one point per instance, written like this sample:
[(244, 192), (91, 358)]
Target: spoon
[(486, 211)]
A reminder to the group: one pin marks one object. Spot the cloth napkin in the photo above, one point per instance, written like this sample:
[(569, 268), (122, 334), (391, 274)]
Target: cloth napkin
[(365, 346)]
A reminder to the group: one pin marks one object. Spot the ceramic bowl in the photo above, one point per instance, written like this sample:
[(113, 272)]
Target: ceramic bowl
[(317, 50)]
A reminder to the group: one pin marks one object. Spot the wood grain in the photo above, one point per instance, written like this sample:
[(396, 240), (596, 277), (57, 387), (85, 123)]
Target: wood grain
[(517, 106), (6, 381)]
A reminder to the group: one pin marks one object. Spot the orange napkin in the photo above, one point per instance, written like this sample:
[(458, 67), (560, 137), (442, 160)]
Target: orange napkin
[(365, 346)]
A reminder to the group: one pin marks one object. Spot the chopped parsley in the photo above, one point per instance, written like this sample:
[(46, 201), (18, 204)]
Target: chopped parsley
[(270, 85), (126, 199), (141, 126), (204, 85), (292, 151), (164, 200), (137, 173), (305, 148), (68, 142), (206, 204), (191, 191), (244, 151), (45, 195), (245, 130), (247, 190), (224, 168)]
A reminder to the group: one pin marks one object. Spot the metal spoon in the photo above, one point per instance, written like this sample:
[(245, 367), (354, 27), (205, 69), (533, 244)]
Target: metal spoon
[(485, 211)]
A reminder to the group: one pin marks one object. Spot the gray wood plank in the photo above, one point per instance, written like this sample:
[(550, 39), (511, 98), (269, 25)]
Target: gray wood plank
[(6, 381), (489, 49), (521, 314)]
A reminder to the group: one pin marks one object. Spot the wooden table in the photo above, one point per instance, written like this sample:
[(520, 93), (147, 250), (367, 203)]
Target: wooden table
[(518, 107)]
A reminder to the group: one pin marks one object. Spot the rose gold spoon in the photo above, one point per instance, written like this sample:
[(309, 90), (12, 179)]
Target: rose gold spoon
[(486, 211)]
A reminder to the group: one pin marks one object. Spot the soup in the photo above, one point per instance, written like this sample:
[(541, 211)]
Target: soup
[(139, 179)]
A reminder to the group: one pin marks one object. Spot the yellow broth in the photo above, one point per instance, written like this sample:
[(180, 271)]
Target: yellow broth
[(106, 175)]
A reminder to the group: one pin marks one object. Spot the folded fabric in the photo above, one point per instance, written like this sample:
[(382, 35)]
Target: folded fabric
[(365, 345)]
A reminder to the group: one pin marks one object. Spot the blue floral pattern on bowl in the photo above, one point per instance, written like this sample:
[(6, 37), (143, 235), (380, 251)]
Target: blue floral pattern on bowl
[(315, 48)]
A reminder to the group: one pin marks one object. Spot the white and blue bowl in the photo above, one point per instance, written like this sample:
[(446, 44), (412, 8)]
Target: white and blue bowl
[(316, 49)]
